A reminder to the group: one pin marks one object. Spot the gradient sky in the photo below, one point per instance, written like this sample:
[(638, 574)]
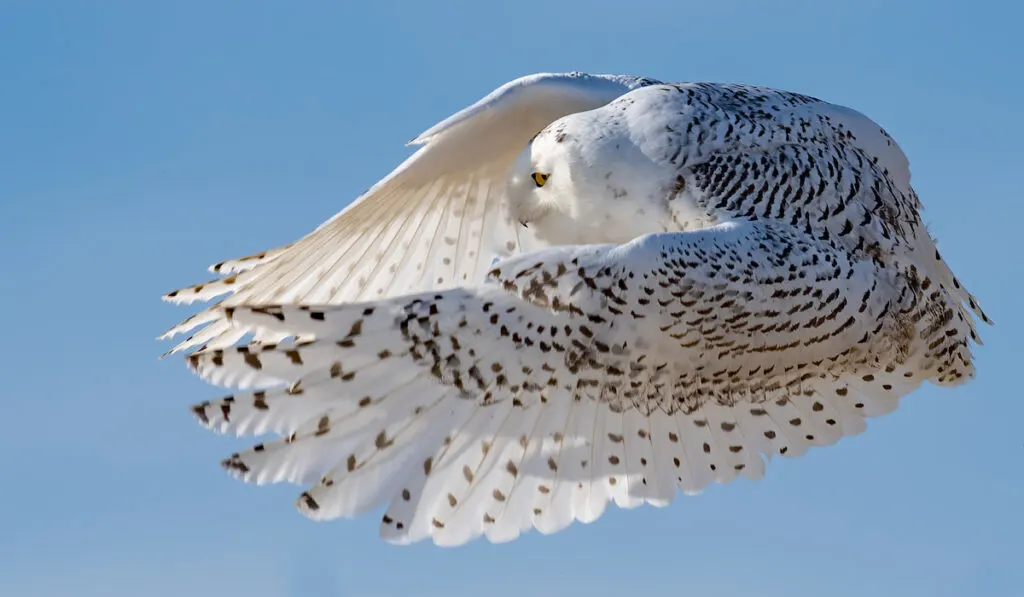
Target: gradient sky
[(142, 141)]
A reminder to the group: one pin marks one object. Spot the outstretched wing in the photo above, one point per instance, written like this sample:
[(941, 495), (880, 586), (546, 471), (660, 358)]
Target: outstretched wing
[(581, 375), (436, 221)]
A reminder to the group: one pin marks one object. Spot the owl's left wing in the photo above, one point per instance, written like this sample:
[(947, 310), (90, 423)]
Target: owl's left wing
[(436, 221), (581, 375)]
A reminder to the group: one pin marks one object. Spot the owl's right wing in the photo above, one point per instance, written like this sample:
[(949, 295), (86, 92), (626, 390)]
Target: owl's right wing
[(438, 220), (582, 375)]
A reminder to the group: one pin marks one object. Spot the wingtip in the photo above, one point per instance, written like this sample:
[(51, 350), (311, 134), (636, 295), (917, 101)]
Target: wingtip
[(169, 333), (234, 466), (199, 412), (307, 505), (181, 296)]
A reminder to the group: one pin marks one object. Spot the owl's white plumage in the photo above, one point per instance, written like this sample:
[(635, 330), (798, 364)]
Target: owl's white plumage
[(708, 275)]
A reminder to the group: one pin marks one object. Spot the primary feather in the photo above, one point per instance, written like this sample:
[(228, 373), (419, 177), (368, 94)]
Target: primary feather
[(438, 220), (727, 273)]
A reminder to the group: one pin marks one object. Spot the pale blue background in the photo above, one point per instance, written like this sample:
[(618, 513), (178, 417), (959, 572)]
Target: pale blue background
[(141, 141)]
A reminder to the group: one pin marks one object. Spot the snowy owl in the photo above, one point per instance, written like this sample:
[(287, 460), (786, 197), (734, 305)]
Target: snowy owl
[(583, 289)]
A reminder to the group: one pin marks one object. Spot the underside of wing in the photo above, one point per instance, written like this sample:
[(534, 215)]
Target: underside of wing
[(438, 220)]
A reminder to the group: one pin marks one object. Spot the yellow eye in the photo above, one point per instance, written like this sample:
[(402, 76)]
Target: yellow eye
[(540, 179)]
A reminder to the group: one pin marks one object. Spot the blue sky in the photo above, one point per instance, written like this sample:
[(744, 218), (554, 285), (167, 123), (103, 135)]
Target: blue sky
[(140, 142)]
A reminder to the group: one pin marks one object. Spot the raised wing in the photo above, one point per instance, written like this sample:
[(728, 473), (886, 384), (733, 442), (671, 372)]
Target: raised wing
[(437, 221), (581, 375)]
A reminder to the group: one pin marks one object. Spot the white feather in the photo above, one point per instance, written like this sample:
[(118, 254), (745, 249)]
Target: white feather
[(734, 273), (444, 205)]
